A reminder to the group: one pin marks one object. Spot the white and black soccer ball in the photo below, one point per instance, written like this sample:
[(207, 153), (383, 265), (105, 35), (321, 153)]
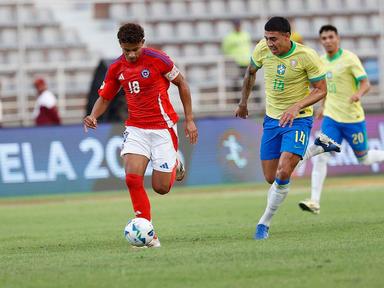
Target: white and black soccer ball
[(139, 232)]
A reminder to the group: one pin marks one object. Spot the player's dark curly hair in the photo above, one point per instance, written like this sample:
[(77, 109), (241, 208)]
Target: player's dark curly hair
[(130, 33), (328, 27), (278, 24)]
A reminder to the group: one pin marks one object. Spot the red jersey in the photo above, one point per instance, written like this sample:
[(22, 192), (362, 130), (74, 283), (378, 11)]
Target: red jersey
[(145, 83)]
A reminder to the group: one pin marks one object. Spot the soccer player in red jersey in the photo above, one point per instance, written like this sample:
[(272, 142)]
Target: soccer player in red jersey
[(145, 75)]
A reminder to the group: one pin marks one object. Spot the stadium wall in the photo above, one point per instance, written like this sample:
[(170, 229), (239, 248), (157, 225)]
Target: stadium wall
[(64, 159)]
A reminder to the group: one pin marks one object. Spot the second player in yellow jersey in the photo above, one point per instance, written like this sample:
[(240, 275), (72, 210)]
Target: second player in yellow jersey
[(344, 117), (344, 74)]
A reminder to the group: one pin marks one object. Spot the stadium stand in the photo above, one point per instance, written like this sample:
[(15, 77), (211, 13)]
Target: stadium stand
[(190, 31)]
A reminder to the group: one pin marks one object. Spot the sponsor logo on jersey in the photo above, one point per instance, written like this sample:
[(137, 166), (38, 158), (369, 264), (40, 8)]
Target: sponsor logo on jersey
[(145, 73), (281, 69), (293, 63), (121, 77)]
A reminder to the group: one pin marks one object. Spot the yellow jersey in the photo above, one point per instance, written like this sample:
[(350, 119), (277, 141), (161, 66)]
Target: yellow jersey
[(287, 77), (343, 74)]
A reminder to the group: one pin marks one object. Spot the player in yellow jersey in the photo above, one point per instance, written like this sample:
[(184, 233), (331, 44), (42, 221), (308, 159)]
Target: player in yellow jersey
[(343, 114), (289, 71)]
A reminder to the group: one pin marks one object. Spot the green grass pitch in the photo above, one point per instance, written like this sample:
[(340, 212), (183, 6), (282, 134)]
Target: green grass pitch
[(206, 235)]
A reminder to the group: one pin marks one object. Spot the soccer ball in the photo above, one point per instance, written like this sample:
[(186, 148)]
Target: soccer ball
[(139, 232)]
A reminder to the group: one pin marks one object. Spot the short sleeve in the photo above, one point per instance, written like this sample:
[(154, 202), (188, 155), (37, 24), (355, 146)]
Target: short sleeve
[(258, 54), (314, 66), (357, 68), (111, 84), (164, 63)]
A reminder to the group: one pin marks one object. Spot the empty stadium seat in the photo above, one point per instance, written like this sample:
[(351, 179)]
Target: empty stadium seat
[(178, 8), (341, 23), (196, 74), (375, 23), (373, 4), (119, 11), (159, 8), (164, 31), (172, 50), (359, 23), (275, 6), (185, 30), (35, 56), (217, 7), (8, 36), (51, 35), (191, 50), (198, 7), (7, 14), (237, 6), (223, 28), (348, 44), (295, 5), (204, 29), (211, 50), (303, 25)]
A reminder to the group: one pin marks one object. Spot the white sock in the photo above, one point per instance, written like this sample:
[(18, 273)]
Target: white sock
[(312, 150), (372, 157), (319, 172), (276, 196)]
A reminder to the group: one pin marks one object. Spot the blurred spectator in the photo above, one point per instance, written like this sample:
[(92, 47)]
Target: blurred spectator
[(45, 112), (237, 45), (296, 36)]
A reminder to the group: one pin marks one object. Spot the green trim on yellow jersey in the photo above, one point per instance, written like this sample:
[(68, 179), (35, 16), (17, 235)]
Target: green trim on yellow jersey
[(336, 56), (254, 64), (293, 47), (322, 77), (361, 78)]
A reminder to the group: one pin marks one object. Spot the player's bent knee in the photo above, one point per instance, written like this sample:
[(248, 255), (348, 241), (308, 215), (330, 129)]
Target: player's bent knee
[(283, 174), (269, 179), (161, 189)]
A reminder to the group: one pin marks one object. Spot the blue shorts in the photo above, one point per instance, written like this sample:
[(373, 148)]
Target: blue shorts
[(277, 139), (354, 133)]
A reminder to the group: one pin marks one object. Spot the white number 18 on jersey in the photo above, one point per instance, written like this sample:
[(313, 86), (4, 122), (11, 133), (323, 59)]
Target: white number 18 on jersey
[(134, 87)]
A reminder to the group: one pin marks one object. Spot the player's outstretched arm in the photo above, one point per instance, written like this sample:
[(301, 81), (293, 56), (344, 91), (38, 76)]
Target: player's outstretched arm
[(248, 82), (185, 97), (98, 109), (318, 92)]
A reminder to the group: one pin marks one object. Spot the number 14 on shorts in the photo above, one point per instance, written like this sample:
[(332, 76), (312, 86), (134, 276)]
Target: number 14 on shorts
[(300, 137)]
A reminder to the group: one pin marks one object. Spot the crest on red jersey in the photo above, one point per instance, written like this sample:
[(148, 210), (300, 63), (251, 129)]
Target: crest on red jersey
[(145, 73)]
